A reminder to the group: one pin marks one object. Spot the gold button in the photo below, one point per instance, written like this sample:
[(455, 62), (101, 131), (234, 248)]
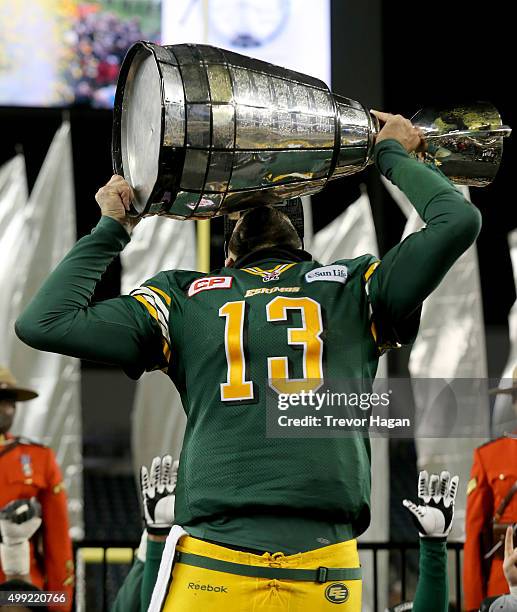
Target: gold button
[(501, 476), (28, 481)]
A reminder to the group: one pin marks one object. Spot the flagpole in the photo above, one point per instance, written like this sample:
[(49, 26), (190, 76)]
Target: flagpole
[(203, 227), (203, 246)]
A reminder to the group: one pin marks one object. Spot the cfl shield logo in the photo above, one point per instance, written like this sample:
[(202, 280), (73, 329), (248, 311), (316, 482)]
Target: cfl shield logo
[(210, 282), (337, 593), (271, 276)]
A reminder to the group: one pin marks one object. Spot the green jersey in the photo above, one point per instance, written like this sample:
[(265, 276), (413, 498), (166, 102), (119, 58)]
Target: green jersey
[(222, 337), (229, 336)]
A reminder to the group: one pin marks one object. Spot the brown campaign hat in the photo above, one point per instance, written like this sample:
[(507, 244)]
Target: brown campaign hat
[(10, 389), (507, 390)]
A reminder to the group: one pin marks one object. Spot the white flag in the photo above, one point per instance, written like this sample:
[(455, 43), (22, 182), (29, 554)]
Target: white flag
[(350, 235), (450, 345), (13, 242), (504, 419), (49, 232), (307, 222), (158, 418)]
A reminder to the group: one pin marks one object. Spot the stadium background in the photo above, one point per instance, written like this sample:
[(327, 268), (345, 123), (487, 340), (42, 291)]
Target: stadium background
[(395, 57)]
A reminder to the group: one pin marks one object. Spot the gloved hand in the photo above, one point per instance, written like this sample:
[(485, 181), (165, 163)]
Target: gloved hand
[(433, 518), (158, 488), (19, 521)]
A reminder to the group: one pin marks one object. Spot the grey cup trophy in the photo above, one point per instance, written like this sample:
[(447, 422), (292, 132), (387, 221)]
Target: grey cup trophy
[(200, 131)]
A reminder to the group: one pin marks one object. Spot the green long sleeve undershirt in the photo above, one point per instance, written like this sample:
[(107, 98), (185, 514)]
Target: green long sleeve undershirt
[(62, 319), (432, 593), (153, 558), (412, 269), (135, 593)]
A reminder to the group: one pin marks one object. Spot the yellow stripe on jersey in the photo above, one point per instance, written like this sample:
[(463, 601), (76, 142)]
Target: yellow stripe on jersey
[(166, 351), (158, 311), (371, 270), (162, 293), (367, 275), (373, 329), (385, 346), (150, 308)]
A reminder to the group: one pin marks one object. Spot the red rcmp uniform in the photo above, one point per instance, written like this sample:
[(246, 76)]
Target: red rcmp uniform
[(493, 473), (28, 469)]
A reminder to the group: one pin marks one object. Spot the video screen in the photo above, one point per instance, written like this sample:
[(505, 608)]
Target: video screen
[(67, 52), (294, 34)]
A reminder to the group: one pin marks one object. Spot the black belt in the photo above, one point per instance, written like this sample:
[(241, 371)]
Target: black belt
[(253, 551), (321, 574)]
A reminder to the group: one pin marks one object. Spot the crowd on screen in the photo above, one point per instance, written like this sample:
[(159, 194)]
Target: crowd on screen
[(99, 41)]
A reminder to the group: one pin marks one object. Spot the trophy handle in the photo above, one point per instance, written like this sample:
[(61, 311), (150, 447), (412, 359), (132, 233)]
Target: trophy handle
[(504, 131), (465, 142)]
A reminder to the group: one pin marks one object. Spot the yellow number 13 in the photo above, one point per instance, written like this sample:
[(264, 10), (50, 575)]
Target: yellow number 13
[(236, 387)]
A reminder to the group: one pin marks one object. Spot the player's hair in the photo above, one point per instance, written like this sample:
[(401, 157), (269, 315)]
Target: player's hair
[(262, 227)]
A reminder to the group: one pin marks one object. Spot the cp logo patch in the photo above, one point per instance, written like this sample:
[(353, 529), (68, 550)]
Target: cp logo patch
[(337, 593), (210, 282)]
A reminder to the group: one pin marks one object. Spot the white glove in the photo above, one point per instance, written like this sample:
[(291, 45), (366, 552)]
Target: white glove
[(19, 521), (158, 494), (433, 518)]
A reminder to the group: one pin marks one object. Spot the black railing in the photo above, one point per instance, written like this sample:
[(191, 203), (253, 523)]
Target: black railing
[(454, 548), (97, 553)]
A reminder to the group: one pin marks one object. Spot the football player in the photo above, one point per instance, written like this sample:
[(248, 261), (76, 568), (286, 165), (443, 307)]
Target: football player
[(269, 522)]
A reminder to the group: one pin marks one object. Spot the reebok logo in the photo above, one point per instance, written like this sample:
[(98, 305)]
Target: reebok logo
[(207, 587)]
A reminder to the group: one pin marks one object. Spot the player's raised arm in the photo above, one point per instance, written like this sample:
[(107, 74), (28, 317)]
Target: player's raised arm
[(61, 317), (410, 271), (432, 515)]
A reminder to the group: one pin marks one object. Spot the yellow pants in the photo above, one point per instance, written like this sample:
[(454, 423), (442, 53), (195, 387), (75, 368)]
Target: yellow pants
[(203, 590)]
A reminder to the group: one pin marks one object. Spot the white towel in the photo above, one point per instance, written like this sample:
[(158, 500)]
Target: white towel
[(164, 573)]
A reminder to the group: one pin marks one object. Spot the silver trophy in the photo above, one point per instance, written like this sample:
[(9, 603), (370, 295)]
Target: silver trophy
[(200, 131)]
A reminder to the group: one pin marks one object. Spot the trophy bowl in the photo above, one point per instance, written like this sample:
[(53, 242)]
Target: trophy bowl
[(200, 132)]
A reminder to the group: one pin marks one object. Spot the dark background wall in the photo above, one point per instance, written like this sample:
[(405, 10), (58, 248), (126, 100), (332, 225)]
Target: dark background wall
[(437, 55)]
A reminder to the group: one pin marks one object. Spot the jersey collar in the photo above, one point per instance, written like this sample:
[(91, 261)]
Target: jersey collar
[(278, 253)]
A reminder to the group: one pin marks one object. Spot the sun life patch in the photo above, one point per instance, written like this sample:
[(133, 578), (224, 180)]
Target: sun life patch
[(336, 273)]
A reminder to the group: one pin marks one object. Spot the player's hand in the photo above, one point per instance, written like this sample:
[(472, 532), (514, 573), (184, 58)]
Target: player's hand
[(401, 129), (114, 200), (433, 518), (19, 520), (510, 558), (158, 488)]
